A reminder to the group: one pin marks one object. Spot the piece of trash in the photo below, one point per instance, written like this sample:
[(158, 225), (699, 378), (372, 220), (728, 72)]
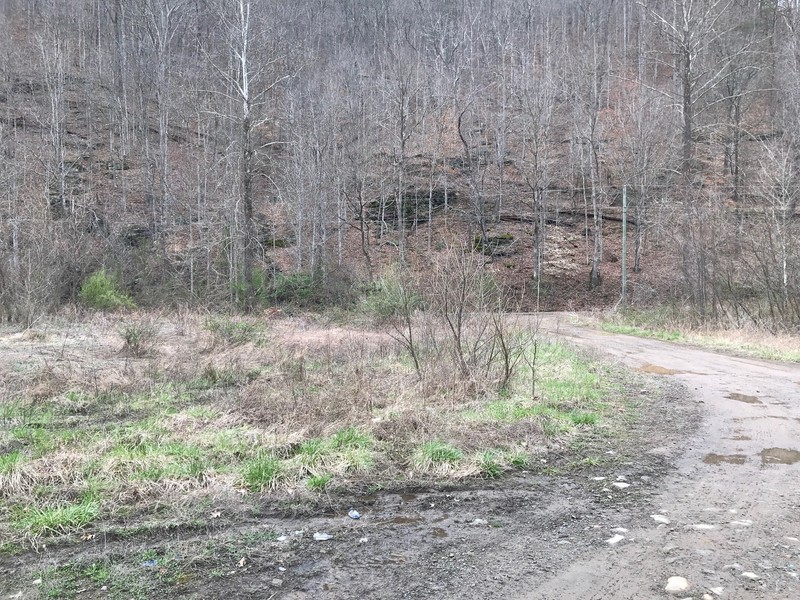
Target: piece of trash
[(216, 514), (150, 563), (621, 485), (363, 540), (599, 478), (751, 576), (281, 569), (37, 581), (615, 540), (277, 582), (322, 537), (282, 538), (354, 514), (241, 562)]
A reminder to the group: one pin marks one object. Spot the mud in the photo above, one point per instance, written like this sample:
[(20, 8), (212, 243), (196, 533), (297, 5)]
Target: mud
[(779, 456), (744, 398), (719, 459), (656, 370)]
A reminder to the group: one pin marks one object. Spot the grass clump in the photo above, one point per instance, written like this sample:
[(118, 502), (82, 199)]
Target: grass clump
[(489, 464), (104, 292), (139, 337), (60, 519), (318, 483), (263, 473), (436, 454), (232, 332)]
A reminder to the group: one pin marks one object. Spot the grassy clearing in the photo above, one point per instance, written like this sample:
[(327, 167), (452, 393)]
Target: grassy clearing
[(220, 418), (749, 341)]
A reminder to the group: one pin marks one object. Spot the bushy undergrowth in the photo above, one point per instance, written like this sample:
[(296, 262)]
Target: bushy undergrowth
[(103, 291)]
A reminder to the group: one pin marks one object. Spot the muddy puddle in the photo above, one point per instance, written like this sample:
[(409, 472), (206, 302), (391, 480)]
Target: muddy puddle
[(719, 459), (656, 370), (779, 456), (743, 398)]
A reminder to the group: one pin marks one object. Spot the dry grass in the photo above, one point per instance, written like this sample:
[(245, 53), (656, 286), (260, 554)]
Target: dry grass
[(224, 407), (747, 341)]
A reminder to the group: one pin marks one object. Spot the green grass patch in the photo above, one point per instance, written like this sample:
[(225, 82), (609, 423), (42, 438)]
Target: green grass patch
[(318, 483), (657, 334), (436, 453), (59, 519), (263, 473)]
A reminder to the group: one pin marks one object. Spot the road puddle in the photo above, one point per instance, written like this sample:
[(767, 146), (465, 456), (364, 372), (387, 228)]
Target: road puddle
[(656, 370), (744, 398), (719, 459), (779, 456), (438, 532)]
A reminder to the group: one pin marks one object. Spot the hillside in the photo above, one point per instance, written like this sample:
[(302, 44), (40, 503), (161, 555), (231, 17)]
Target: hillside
[(233, 153)]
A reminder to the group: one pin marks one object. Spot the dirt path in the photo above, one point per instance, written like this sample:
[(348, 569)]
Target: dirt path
[(733, 503)]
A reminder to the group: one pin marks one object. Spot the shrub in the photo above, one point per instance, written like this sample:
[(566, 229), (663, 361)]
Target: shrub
[(139, 337), (102, 291)]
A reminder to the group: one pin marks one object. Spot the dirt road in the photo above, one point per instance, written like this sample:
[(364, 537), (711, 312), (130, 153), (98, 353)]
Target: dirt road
[(733, 503)]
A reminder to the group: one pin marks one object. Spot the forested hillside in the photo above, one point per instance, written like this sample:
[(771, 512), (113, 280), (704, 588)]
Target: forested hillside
[(251, 152)]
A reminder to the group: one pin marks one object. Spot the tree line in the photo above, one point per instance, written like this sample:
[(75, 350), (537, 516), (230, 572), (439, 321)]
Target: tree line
[(183, 143)]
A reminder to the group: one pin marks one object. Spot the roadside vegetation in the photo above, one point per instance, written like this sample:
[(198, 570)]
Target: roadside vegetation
[(232, 411), (666, 325)]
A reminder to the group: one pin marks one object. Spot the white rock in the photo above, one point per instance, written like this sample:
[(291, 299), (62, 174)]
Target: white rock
[(703, 527), (708, 597), (733, 567), (677, 585), (742, 523), (277, 582), (621, 485), (619, 530), (660, 519), (322, 537), (37, 581), (717, 591), (615, 540), (598, 478), (750, 575), (479, 522), (363, 540), (281, 538)]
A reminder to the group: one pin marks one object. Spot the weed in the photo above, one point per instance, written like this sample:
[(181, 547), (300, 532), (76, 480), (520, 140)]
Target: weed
[(98, 572)]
